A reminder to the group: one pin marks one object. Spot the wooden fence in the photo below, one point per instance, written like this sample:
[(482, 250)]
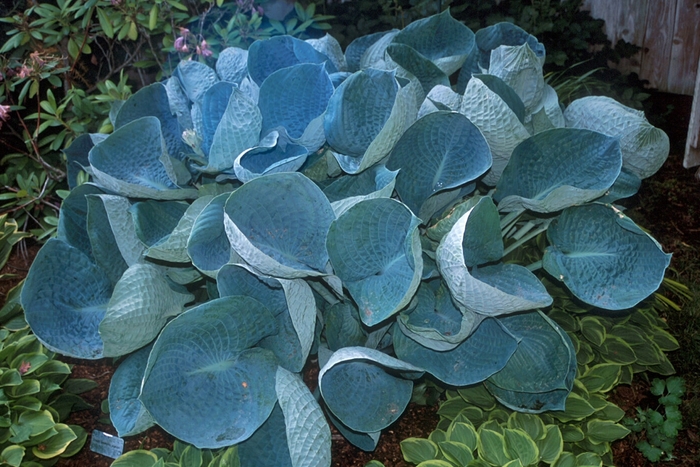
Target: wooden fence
[(668, 32)]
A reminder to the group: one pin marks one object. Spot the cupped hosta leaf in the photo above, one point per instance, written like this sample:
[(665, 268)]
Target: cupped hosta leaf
[(275, 153), (152, 100), (627, 184), (238, 128), (440, 39), (365, 441), (521, 69), (266, 57), (558, 168), (141, 304), (490, 38), (434, 321), (204, 383), (308, 434), (294, 96), (115, 244), (644, 147), (126, 411), (497, 122), (505, 92), (268, 446), (540, 374), (330, 47), (208, 245), (359, 46), (375, 53), (426, 71), (494, 289), (291, 302), (77, 158), (154, 220), (358, 370), (374, 248), (343, 327), (64, 298), (173, 248), (133, 161), (232, 64), (440, 98), (362, 135), (548, 113), (72, 219), (479, 356), (278, 224), (603, 257), (348, 190), (195, 78), (442, 150)]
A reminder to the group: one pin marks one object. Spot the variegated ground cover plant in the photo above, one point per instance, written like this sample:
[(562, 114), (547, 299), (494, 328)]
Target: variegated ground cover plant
[(298, 200)]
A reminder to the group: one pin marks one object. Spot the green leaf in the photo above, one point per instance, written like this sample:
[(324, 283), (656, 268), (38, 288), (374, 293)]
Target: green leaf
[(552, 445), (593, 329), (417, 450), (455, 452), (55, 445), (520, 445), (137, 458), (605, 431), (492, 447), (12, 455), (601, 377)]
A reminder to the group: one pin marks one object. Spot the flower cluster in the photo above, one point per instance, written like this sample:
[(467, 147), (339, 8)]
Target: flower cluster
[(187, 41), (4, 113)]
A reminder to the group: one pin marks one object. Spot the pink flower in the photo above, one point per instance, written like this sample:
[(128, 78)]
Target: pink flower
[(260, 10), (4, 113), (204, 49), (24, 72), (181, 45)]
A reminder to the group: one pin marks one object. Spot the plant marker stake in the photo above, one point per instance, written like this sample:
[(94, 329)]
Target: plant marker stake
[(106, 444)]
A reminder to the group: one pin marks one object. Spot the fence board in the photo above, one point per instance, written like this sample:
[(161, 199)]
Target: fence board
[(692, 144), (685, 51), (658, 43)]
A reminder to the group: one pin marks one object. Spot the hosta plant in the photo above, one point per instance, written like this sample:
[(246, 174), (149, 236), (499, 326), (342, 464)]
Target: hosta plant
[(299, 200)]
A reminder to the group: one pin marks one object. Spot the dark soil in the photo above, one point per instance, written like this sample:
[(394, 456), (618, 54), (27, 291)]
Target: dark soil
[(668, 204)]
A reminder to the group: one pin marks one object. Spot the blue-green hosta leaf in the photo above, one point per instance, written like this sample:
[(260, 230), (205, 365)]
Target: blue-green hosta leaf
[(232, 65), (540, 374), (439, 38), (603, 257), (358, 370), (490, 38), (155, 220), (291, 302), (627, 184), (435, 322), (440, 98), (208, 245), (357, 48), (238, 129), (441, 151), (558, 168), (308, 434), (173, 249), (127, 413), (141, 304), (179, 103), (410, 60), (113, 238), (375, 53), (497, 122), (374, 248), (275, 153), (64, 299), (644, 147), (481, 355), (280, 235), (133, 161), (365, 441), (267, 56), (348, 190), (77, 158), (294, 96), (213, 106), (195, 78), (72, 219), (507, 289), (343, 326), (204, 383), (152, 100), (330, 47), (362, 135), (505, 92), (268, 446), (521, 69), (548, 113)]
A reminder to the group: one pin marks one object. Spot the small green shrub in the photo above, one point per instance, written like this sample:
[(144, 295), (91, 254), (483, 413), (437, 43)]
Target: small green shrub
[(660, 426), (182, 455)]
